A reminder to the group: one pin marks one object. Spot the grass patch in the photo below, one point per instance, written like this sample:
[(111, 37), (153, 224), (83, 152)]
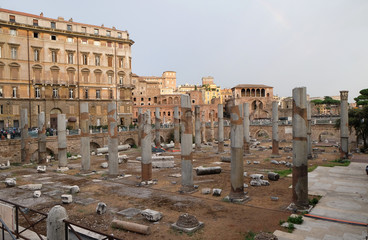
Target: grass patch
[(311, 169), (284, 173), (291, 227), (338, 162), (266, 159), (296, 220), (249, 236), (16, 164)]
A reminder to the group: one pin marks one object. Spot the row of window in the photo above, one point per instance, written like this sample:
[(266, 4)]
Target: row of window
[(54, 57), (69, 27)]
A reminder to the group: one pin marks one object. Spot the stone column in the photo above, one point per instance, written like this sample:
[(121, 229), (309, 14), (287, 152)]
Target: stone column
[(113, 139), (197, 138), (24, 136), (146, 147), (85, 141), (55, 223), (62, 146), (157, 127), (237, 166), (309, 131), (220, 114), (140, 126), (176, 128), (186, 144), (212, 127), (246, 128), (300, 163), (344, 124), (41, 138), (275, 129), (204, 140)]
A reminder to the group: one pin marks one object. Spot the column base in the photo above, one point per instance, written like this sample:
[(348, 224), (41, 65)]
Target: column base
[(187, 189), (275, 156), (237, 199), (294, 208)]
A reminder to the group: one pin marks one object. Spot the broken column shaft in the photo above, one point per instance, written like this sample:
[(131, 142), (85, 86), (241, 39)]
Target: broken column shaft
[(24, 136), (186, 144), (113, 139), (140, 126), (197, 138), (246, 128), (300, 162), (220, 114), (275, 129), (237, 139), (41, 138), (309, 131), (344, 124), (176, 128), (212, 128), (157, 127), (204, 140), (62, 146), (85, 141), (146, 147)]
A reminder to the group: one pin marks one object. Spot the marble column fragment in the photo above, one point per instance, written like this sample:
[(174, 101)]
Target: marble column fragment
[(309, 131), (157, 127), (275, 129), (62, 145), (176, 128), (246, 128), (85, 138), (113, 139), (212, 128), (140, 126), (197, 138), (186, 144), (300, 161), (344, 125), (204, 140), (146, 147), (25, 157), (236, 142), (42, 154), (220, 114)]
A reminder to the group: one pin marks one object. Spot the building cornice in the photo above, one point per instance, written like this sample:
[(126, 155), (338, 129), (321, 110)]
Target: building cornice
[(65, 32)]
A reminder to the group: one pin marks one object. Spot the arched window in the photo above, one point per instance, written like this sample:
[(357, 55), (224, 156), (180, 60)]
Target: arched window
[(263, 92), (253, 94), (243, 92)]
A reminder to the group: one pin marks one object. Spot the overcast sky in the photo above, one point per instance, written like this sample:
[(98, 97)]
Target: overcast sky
[(319, 44)]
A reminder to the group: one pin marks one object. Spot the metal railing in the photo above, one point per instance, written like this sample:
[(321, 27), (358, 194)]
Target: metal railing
[(69, 226), (5, 228), (27, 214)]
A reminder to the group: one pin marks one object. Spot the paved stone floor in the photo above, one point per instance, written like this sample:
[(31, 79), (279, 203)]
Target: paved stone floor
[(344, 197)]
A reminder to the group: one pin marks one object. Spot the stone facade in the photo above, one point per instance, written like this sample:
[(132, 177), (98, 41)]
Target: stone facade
[(52, 65), (259, 97)]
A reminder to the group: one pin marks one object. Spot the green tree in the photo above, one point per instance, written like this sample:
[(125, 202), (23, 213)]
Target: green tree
[(329, 101), (362, 99), (358, 119)]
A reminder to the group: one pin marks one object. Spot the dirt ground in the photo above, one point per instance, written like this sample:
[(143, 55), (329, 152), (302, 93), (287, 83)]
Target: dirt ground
[(222, 220)]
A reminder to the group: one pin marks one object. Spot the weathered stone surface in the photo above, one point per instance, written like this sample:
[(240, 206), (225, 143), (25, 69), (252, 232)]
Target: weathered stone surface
[(74, 189), (216, 192), (37, 194), (55, 223), (163, 164), (206, 190), (275, 162), (273, 176), (67, 198), (225, 159), (36, 186), (129, 212), (256, 176), (41, 169), (187, 223), (104, 165), (152, 215), (10, 182), (101, 208)]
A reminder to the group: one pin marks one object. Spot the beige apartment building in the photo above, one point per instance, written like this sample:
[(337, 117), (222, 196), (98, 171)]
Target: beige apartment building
[(53, 65)]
